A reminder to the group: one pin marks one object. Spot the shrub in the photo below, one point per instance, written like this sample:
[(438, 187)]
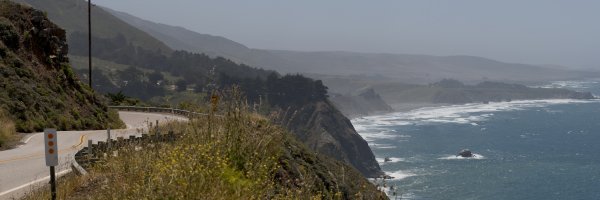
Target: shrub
[(7, 129), (234, 155)]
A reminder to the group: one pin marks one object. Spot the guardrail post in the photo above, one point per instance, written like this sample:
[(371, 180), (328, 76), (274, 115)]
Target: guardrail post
[(101, 146), (90, 151), (108, 139), (157, 133), (144, 137), (171, 136), (131, 140), (119, 141)]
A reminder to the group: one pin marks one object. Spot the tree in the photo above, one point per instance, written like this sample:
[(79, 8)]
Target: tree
[(155, 76), (181, 85)]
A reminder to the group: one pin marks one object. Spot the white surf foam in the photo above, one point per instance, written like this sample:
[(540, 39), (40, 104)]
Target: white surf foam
[(381, 161), (400, 174), (570, 84), (455, 157), (460, 114)]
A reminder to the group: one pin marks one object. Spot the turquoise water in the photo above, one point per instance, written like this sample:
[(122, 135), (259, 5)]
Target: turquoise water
[(545, 149)]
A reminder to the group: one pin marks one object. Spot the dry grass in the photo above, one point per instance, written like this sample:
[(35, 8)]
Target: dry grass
[(7, 129), (236, 156)]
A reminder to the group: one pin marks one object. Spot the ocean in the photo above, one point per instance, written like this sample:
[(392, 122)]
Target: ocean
[(537, 149)]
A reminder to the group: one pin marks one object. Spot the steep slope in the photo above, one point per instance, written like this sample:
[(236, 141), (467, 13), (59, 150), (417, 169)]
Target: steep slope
[(325, 129), (38, 87), (183, 39), (72, 16), (366, 102)]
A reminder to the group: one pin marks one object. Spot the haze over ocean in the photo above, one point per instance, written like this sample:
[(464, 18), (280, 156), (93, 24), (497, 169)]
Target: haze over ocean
[(540, 149)]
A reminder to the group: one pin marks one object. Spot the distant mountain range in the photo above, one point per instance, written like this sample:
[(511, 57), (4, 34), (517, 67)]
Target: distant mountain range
[(401, 67)]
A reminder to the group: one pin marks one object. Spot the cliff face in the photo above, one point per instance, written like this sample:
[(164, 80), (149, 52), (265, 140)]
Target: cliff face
[(326, 130), (323, 173), (38, 87), (367, 102)]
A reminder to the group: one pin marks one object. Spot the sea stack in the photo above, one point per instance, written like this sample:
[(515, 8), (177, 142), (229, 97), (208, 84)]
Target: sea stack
[(465, 153)]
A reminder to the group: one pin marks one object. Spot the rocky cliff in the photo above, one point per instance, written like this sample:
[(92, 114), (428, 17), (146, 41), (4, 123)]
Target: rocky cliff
[(37, 86), (366, 102), (325, 129)]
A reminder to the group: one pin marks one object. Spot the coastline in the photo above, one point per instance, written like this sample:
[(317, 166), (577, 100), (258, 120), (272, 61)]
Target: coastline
[(472, 113), (402, 107)]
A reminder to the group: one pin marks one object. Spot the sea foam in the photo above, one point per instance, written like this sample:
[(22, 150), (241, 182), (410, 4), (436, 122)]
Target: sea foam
[(381, 161), (400, 174), (459, 114), (455, 157)]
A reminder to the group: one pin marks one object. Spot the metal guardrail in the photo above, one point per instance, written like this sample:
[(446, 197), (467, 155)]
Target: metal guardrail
[(87, 156), (84, 157), (186, 113)]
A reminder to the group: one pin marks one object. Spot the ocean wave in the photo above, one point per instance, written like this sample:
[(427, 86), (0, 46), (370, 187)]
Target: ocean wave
[(371, 135), (580, 85), (400, 174), (455, 157), (459, 114), (381, 161), (381, 146)]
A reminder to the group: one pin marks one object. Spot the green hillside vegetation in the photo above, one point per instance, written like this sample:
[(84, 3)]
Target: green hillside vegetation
[(38, 87), (72, 16), (182, 39), (239, 156)]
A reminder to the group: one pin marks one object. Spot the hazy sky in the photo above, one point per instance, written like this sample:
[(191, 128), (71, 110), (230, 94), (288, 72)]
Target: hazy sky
[(564, 32)]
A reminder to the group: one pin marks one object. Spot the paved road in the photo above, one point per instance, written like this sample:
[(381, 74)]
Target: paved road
[(24, 168)]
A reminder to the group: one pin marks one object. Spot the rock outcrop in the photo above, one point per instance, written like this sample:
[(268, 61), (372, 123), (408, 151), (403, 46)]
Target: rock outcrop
[(38, 87), (326, 130), (465, 153), (366, 102)]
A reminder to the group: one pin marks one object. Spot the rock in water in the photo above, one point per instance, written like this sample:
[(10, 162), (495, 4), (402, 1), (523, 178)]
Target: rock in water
[(465, 153)]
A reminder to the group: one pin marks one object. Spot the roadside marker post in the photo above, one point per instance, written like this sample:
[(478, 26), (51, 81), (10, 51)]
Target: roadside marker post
[(51, 148), (108, 140)]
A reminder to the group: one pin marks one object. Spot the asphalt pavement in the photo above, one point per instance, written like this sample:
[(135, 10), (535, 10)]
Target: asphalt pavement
[(23, 169)]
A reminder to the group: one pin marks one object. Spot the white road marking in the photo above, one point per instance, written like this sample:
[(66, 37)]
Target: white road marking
[(29, 138), (59, 174)]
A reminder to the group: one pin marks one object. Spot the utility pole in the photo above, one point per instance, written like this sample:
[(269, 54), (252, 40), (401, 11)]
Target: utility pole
[(90, 42)]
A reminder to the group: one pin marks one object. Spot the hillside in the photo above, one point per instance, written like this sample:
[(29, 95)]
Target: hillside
[(72, 16), (366, 102), (150, 74), (239, 155), (325, 129), (454, 92), (185, 39), (406, 68), (419, 69), (38, 87)]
